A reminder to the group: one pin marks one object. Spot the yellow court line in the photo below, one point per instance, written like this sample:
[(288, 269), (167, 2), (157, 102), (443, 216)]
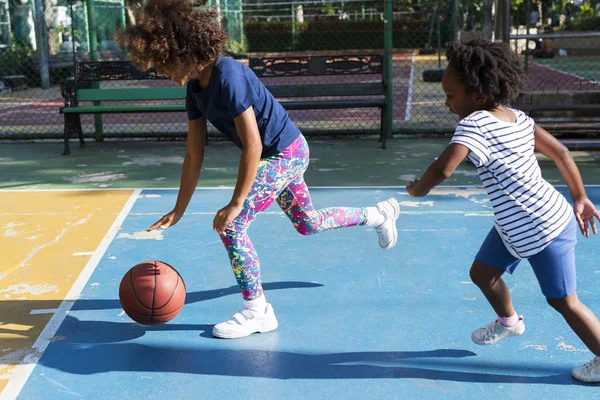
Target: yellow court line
[(47, 238)]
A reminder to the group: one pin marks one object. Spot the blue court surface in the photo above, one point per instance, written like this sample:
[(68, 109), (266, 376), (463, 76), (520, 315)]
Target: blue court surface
[(356, 322)]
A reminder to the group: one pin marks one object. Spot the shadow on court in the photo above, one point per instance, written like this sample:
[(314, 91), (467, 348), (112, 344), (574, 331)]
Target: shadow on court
[(14, 314), (437, 364)]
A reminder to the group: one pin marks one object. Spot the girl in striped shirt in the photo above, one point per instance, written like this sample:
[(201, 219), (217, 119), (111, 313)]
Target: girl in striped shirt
[(532, 220)]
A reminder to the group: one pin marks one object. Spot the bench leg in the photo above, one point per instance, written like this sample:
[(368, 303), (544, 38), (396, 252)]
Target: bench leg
[(67, 134), (77, 123), (383, 130)]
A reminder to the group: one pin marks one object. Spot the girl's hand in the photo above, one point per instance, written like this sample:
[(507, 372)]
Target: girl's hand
[(224, 216), (166, 221), (412, 189), (585, 211)]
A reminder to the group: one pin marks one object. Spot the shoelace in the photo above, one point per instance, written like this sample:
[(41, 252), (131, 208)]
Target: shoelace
[(490, 329), (590, 364)]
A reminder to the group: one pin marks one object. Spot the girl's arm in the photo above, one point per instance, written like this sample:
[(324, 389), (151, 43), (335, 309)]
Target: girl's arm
[(192, 163), (585, 211), (247, 128), (190, 173), (549, 146), (439, 170)]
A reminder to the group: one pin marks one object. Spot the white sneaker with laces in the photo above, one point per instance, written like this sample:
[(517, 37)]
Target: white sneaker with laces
[(491, 333), (387, 231), (246, 322), (588, 372)]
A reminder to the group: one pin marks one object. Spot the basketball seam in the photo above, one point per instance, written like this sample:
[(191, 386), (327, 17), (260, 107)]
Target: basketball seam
[(153, 292), (130, 312), (180, 279), (140, 302)]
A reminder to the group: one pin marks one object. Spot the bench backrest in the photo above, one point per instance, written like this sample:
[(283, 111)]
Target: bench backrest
[(272, 67), (112, 71), (132, 94), (327, 90), (323, 65), (370, 65)]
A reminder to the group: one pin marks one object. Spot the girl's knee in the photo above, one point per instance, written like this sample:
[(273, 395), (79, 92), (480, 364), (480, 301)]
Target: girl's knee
[(232, 233), (482, 275), (306, 229), (564, 305)]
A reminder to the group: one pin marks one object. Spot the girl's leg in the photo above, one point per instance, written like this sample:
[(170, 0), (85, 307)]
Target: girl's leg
[(489, 281), (296, 204), (256, 315), (491, 262), (555, 270), (242, 255), (583, 322), (273, 175), (244, 263), (587, 327)]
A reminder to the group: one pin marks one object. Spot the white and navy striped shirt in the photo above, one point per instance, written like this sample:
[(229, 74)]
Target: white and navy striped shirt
[(528, 211)]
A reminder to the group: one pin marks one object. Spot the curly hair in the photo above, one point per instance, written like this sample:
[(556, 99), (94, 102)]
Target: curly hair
[(173, 34), (488, 68)]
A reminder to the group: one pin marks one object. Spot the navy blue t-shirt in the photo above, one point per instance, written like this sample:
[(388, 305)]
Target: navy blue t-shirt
[(232, 89)]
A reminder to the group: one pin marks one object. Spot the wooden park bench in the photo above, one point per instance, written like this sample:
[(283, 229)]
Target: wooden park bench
[(84, 87)]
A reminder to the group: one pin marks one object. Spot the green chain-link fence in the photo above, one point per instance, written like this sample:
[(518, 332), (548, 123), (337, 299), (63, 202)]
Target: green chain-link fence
[(41, 39)]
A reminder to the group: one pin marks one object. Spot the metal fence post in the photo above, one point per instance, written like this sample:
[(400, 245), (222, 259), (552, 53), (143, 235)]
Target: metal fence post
[(506, 20), (93, 33), (388, 70), (42, 43)]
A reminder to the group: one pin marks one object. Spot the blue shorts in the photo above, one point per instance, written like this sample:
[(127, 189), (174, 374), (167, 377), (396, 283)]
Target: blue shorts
[(554, 266)]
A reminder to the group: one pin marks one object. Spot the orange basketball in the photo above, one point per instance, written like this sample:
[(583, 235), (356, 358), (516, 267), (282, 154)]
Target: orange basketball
[(152, 293)]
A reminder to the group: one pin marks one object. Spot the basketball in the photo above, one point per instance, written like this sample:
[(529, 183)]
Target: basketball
[(152, 293)]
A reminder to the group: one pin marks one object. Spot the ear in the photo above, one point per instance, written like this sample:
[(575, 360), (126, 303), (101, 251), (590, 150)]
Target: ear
[(481, 99)]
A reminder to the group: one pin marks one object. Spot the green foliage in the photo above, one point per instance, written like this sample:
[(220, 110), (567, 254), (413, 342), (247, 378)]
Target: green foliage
[(586, 11), (15, 60), (580, 24), (338, 35)]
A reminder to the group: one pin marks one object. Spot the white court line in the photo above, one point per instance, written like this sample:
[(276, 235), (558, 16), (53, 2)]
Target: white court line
[(20, 373), (44, 311), (83, 253), (410, 88)]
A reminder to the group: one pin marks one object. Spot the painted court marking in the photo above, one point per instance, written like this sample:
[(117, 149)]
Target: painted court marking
[(44, 311), (83, 254), (21, 372)]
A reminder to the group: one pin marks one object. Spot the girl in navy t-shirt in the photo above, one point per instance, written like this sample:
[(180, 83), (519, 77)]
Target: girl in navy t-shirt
[(182, 41)]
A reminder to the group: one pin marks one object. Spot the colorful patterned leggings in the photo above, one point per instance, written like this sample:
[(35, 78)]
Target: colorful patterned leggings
[(280, 178)]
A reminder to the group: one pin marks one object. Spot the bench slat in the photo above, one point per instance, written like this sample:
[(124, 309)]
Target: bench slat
[(289, 105), (124, 109), (312, 90), (312, 105), (131, 94)]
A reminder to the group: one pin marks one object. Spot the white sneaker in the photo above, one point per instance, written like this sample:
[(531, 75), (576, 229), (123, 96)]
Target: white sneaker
[(388, 234), (246, 322), (491, 333), (588, 372)]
